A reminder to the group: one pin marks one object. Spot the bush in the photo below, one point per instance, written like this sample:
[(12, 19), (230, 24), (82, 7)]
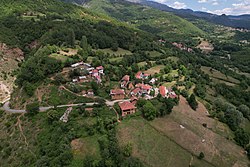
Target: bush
[(32, 108), (201, 155), (192, 102)]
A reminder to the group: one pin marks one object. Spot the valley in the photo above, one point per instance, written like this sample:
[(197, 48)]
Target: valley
[(116, 83)]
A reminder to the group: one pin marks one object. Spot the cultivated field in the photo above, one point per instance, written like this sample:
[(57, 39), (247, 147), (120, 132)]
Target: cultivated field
[(173, 140)]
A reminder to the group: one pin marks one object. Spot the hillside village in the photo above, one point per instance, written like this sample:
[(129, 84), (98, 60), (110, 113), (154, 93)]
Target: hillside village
[(145, 86)]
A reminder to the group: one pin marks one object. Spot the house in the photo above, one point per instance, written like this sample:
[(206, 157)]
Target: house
[(171, 94), (86, 64), (117, 94), (77, 64), (98, 79), (127, 108), (168, 93), (131, 86), (125, 81), (136, 92), (153, 80), (95, 73), (141, 75), (100, 69), (163, 91), (145, 88), (133, 100)]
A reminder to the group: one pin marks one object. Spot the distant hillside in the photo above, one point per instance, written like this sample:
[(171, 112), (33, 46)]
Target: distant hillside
[(242, 21), (148, 19)]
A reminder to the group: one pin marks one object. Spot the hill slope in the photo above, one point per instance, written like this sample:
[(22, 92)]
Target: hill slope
[(146, 18)]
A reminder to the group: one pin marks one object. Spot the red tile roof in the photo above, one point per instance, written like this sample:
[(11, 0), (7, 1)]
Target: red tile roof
[(144, 87), (126, 106), (136, 90), (117, 91), (162, 90), (126, 78), (138, 75), (95, 71)]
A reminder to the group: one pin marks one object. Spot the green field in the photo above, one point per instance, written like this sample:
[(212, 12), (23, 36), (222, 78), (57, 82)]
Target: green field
[(217, 76), (153, 147)]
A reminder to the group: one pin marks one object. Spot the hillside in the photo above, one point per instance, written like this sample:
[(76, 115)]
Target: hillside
[(145, 18), (117, 84), (242, 21)]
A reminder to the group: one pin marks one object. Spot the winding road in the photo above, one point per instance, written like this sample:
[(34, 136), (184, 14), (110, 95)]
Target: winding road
[(6, 106)]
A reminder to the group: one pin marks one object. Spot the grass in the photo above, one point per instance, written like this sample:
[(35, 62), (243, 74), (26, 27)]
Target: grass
[(119, 52), (154, 54), (87, 146), (60, 57), (155, 69), (153, 147), (220, 77), (174, 59), (116, 59)]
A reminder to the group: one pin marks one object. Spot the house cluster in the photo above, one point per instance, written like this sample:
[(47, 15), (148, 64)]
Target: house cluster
[(140, 90), (182, 47), (93, 73)]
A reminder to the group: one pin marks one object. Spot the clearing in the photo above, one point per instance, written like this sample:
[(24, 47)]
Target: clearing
[(217, 76), (205, 46), (155, 69)]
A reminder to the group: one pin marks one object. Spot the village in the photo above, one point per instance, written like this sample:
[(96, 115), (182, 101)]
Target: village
[(126, 93)]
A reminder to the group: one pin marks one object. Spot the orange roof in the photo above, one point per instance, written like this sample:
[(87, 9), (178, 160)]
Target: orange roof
[(146, 87), (117, 91), (162, 90), (136, 90), (142, 86), (126, 106), (138, 75)]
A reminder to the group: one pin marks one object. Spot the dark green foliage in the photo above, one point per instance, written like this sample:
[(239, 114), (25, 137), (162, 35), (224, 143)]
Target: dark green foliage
[(244, 109), (52, 115), (127, 150), (200, 90), (241, 137), (192, 102), (201, 155), (149, 111), (32, 108), (38, 67)]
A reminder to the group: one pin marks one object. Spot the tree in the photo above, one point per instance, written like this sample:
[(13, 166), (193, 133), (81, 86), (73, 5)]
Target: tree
[(72, 38), (127, 150), (201, 155), (84, 43), (149, 111), (52, 115), (192, 102), (244, 109), (241, 137), (32, 108)]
